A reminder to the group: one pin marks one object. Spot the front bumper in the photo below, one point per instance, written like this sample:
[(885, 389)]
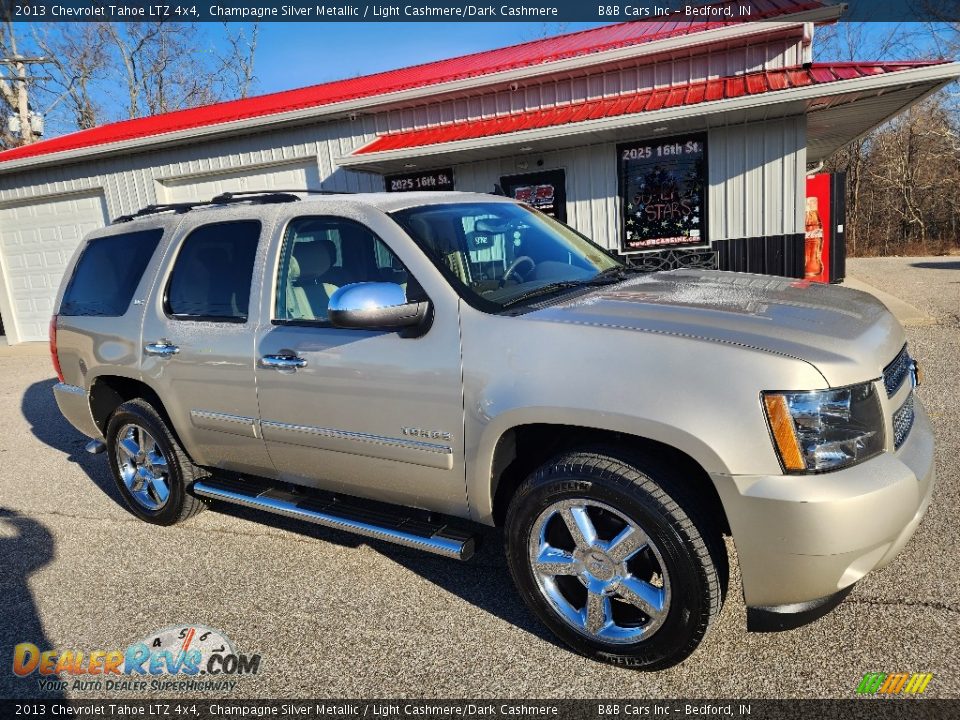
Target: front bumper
[(803, 539), (794, 615)]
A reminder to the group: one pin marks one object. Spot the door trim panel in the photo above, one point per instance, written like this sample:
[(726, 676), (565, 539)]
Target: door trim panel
[(415, 452), (223, 422)]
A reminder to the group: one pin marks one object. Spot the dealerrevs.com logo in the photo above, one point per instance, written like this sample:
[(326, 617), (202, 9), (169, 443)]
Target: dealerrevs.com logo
[(894, 683), (199, 657)]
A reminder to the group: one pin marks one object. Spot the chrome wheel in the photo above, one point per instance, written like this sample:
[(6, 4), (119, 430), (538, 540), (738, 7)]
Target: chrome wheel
[(143, 467), (600, 571)]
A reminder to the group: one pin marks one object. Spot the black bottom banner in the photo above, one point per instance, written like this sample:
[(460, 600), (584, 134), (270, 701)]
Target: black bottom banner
[(853, 709)]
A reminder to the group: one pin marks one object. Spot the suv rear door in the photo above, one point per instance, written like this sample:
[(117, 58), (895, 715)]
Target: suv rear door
[(197, 348)]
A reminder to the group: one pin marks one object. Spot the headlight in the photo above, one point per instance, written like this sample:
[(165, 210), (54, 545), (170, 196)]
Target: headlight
[(825, 429)]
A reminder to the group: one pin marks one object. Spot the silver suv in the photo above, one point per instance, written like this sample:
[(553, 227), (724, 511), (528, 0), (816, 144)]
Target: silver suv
[(405, 366)]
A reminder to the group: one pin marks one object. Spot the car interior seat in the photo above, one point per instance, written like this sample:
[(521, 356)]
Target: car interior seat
[(297, 303), (447, 250), (315, 260)]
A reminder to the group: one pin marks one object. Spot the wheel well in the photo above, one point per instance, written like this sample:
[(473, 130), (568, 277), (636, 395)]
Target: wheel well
[(110, 391), (523, 449)]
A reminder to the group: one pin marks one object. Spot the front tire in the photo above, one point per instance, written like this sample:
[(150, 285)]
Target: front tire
[(610, 558), (151, 469)]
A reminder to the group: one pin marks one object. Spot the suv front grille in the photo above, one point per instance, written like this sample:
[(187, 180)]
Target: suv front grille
[(895, 373), (903, 421)]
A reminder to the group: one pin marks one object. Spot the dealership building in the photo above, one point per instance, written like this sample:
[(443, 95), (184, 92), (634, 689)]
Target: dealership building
[(674, 142)]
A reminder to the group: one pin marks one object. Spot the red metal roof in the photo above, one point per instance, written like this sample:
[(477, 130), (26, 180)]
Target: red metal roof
[(538, 52), (645, 101)]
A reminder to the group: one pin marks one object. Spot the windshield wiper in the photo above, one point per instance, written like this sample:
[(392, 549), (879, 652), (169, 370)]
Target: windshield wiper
[(609, 276), (545, 290), (615, 274)]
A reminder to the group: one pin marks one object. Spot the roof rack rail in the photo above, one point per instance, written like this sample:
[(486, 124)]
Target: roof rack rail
[(306, 191), (252, 196), (265, 197), (158, 208)]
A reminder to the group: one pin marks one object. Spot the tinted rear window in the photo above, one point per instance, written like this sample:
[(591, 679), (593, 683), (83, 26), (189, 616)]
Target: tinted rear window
[(108, 272), (212, 276)]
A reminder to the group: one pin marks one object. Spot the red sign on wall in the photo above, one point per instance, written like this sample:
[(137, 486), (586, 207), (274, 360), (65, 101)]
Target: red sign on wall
[(818, 229)]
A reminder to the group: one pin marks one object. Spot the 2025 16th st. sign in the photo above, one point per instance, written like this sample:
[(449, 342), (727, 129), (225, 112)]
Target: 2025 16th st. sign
[(663, 187)]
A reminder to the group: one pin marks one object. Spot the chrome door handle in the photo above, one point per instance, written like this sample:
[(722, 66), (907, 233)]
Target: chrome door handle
[(282, 362), (161, 348)]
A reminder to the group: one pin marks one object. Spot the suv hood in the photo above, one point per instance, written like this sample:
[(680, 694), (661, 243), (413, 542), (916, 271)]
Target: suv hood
[(848, 335)]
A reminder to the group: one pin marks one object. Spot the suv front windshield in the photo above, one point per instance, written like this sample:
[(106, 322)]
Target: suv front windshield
[(501, 253)]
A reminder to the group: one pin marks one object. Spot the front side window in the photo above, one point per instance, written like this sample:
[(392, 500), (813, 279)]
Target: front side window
[(321, 255), (498, 253), (108, 272), (213, 272)]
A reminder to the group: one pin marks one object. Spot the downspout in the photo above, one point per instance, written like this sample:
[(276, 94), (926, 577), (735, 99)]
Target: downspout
[(806, 45)]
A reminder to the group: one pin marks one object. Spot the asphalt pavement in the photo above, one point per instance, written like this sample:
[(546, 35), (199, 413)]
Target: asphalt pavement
[(337, 616)]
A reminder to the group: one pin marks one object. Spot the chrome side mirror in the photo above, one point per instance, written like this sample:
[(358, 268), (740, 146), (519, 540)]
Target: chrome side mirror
[(375, 306)]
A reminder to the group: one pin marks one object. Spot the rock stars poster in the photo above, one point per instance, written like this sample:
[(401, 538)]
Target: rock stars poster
[(663, 187)]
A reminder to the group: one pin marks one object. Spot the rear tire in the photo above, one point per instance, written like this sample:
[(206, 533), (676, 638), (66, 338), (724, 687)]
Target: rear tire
[(150, 467), (614, 559)]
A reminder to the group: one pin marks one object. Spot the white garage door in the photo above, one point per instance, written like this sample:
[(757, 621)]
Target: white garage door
[(36, 242), (275, 177)]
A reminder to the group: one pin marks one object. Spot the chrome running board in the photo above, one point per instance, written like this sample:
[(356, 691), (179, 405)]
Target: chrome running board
[(394, 526), (95, 447)]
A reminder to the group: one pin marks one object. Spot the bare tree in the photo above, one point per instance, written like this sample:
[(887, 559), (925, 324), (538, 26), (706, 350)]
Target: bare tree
[(239, 61), (902, 178), (14, 84), (907, 185), (155, 66), (539, 31), (168, 66), (81, 61)]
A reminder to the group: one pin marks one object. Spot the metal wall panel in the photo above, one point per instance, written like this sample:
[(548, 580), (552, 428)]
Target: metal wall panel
[(756, 175), (645, 73), (757, 179), (130, 182), (274, 176)]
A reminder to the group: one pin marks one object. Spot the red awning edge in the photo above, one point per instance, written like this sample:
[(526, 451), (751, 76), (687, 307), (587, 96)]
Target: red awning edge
[(584, 44), (716, 89)]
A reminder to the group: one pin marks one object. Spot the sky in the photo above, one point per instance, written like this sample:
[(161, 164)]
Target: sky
[(297, 54), (291, 55)]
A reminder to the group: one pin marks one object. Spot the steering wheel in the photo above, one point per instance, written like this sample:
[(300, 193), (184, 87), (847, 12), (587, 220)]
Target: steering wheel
[(513, 268)]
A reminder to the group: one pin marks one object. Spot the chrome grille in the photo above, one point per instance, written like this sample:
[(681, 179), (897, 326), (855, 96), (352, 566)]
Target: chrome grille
[(903, 421), (896, 372)]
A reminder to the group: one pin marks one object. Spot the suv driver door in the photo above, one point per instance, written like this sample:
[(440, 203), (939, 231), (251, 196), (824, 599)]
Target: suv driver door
[(369, 413)]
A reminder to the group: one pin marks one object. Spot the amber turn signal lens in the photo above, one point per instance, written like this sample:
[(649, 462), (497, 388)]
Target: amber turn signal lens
[(781, 424)]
